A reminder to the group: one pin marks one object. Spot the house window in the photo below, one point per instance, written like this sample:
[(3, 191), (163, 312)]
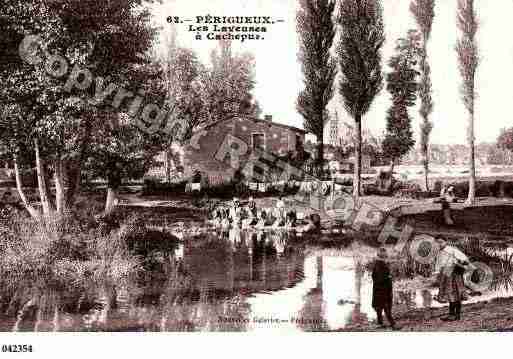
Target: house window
[(258, 140)]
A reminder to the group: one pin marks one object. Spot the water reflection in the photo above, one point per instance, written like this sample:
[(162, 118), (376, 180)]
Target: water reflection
[(238, 281)]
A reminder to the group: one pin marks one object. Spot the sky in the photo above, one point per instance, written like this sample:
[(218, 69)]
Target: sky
[(279, 78)]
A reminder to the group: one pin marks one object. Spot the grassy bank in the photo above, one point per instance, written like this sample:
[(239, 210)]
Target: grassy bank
[(70, 264)]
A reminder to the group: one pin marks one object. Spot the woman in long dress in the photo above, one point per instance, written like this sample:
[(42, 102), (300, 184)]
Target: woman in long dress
[(451, 266)]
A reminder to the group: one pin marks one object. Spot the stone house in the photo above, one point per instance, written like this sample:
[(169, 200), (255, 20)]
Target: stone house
[(220, 148)]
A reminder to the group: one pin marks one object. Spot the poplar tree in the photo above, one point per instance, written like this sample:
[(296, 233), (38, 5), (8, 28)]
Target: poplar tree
[(359, 55), (468, 59), (316, 31), (402, 85), (424, 13)]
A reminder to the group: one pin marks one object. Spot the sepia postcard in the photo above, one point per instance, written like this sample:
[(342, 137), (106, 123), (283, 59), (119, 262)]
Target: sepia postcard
[(262, 166)]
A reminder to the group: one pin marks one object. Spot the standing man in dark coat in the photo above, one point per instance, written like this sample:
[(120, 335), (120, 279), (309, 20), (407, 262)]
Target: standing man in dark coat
[(382, 293)]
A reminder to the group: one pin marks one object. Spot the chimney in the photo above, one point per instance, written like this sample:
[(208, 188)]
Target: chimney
[(268, 118)]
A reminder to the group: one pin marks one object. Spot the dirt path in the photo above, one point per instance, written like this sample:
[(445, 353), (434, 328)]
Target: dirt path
[(495, 315)]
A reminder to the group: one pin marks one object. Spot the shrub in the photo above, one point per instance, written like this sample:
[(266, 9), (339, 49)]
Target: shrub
[(408, 190), (346, 181), (142, 241), (483, 189), (224, 190), (69, 255), (152, 187)]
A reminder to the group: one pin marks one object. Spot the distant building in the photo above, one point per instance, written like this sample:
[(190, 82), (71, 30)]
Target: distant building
[(347, 165), (209, 150)]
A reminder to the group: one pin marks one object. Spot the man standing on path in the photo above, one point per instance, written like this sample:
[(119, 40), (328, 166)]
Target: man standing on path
[(382, 289)]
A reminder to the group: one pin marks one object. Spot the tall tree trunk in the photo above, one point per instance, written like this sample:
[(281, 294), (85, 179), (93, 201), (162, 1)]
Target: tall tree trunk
[(425, 124), (34, 213), (74, 176), (472, 180), (74, 172), (60, 200), (112, 194), (167, 160), (41, 306), (56, 318), (41, 182), (358, 158), (320, 153), (425, 161)]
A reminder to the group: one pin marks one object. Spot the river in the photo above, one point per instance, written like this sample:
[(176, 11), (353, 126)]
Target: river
[(246, 282)]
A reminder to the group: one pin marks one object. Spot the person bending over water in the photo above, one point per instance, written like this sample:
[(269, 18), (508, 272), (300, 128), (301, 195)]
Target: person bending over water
[(451, 265), (251, 213), (291, 220), (225, 221), (262, 221), (217, 218), (235, 210), (279, 212)]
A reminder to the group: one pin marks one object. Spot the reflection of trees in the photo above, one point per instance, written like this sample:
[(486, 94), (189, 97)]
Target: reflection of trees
[(40, 313), (407, 298), (427, 299), (205, 289), (221, 273), (311, 315), (357, 316)]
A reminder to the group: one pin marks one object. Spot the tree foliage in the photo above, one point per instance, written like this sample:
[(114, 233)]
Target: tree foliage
[(467, 50), (361, 40), (127, 155), (316, 34), (505, 139), (110, 39), (402, 85), (228, 84), (359, 52), (183, 74)]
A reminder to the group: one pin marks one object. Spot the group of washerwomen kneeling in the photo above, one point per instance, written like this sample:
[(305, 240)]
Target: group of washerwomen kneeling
[(249, 216)]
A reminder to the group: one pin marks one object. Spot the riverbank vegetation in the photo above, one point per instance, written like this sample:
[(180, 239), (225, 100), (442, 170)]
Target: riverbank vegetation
[(56, 267)]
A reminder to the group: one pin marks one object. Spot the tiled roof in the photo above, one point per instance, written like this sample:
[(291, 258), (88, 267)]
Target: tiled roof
[(292, 128)]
